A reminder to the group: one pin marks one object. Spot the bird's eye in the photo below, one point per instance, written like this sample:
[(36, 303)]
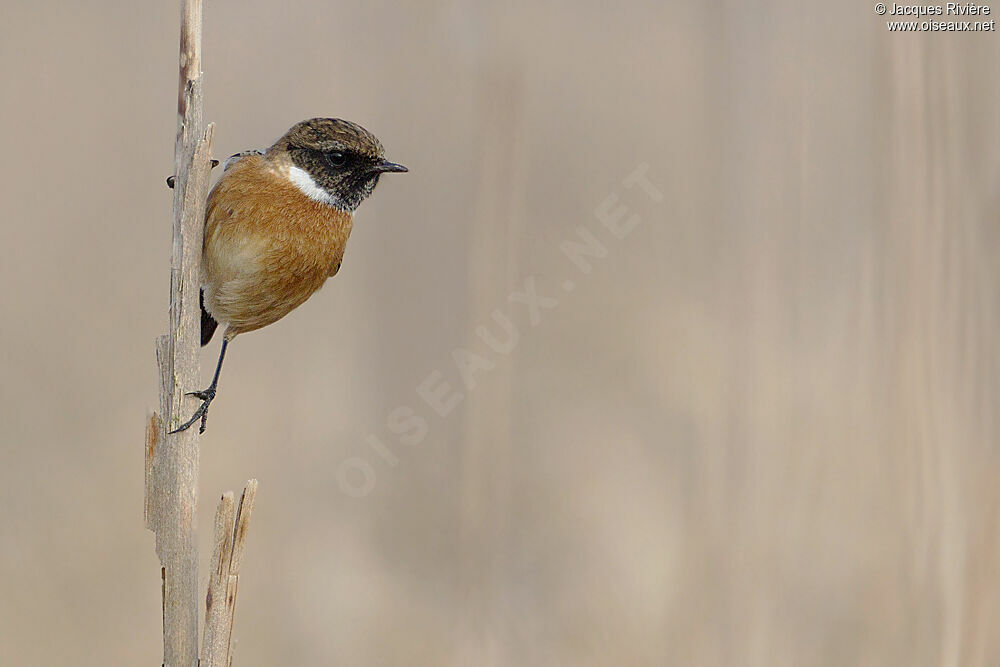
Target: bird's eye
[(336, 159)]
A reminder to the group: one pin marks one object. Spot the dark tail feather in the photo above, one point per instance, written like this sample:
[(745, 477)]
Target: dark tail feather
[(208, 323)]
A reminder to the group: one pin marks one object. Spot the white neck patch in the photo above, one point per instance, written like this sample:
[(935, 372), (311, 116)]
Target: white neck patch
[(305, 183)]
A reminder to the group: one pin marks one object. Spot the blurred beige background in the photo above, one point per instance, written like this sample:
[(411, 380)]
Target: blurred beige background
[(760, 431)]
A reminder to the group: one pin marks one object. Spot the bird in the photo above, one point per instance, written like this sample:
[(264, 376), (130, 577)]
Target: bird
[(276, 226)]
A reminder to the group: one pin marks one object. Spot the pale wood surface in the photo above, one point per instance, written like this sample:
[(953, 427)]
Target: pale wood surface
[(231, 524), (172, 459), (215, 640)]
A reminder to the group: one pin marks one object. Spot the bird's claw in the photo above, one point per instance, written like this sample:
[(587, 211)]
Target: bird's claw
[(206, 396)]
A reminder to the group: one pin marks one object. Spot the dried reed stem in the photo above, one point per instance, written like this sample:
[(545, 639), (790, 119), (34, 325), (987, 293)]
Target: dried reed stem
[(231, 525), (172, 459)]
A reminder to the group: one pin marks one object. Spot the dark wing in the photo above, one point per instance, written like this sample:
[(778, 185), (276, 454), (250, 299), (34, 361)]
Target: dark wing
[(208, 323)]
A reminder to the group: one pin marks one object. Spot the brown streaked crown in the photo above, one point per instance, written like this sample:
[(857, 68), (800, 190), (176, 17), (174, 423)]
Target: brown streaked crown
[(343, 159)]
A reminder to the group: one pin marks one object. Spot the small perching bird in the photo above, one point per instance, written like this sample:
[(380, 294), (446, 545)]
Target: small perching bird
[(276, 225)]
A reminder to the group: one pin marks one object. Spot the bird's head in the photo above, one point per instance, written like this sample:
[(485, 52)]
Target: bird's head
[(333, 161)]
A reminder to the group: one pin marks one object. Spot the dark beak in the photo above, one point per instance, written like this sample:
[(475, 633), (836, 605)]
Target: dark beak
[(384, 166)]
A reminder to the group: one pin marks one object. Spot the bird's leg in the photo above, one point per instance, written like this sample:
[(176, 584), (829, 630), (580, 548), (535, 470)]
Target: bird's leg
[(206, 396)]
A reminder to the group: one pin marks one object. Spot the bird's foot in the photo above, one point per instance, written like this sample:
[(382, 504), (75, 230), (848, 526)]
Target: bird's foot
[(206, 396)]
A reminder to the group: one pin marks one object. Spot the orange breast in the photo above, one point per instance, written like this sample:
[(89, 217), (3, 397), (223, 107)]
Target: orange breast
[(268, 247)]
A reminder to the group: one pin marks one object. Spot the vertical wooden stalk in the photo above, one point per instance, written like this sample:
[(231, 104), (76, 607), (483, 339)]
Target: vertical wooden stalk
[(231, 523), (172, 459)]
